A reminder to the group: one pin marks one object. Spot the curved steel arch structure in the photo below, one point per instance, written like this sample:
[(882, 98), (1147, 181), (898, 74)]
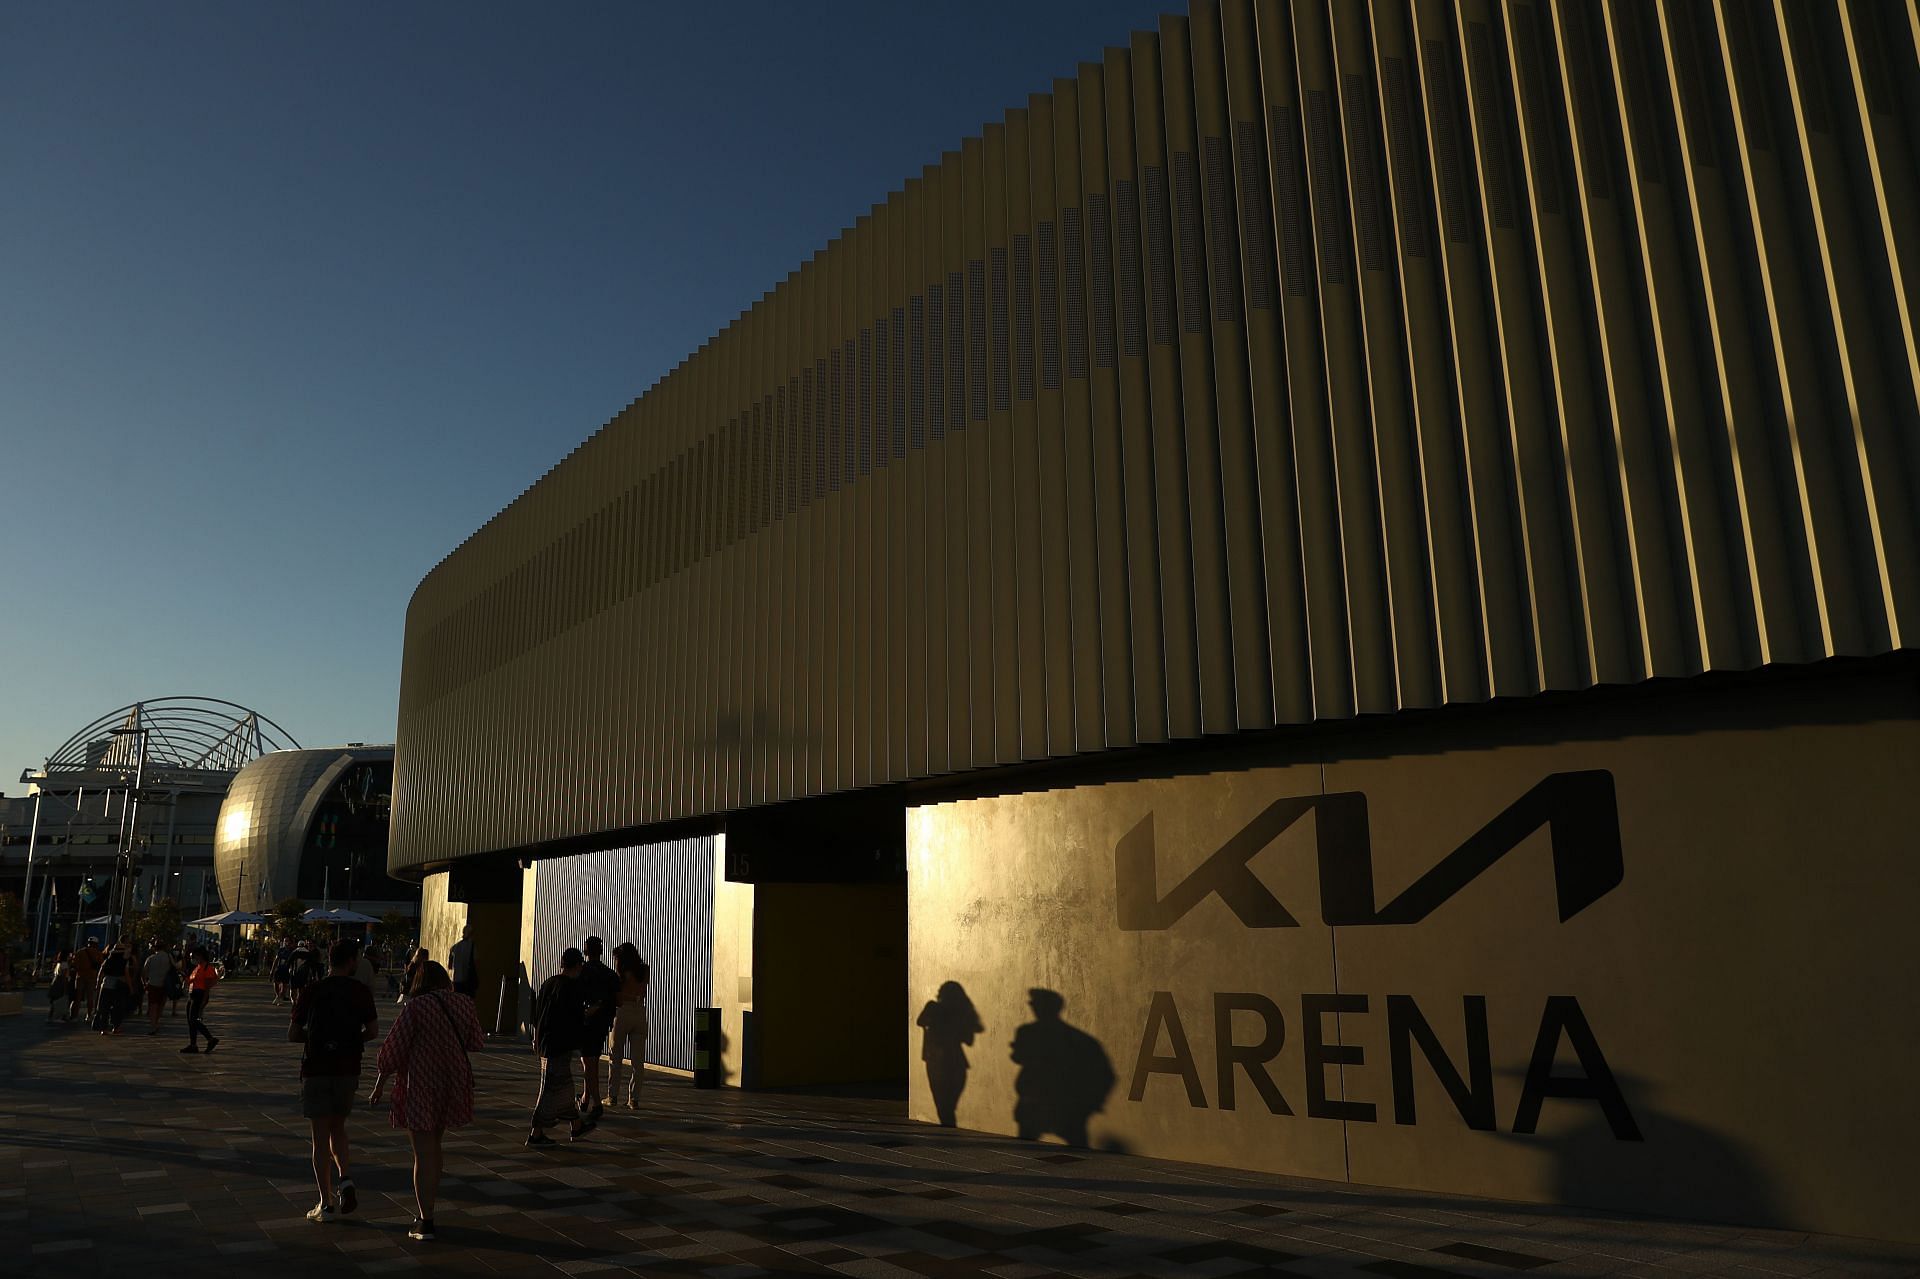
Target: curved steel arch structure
[(206, 734)]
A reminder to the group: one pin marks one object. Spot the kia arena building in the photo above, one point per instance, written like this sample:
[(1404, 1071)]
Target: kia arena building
[(1334, 595)]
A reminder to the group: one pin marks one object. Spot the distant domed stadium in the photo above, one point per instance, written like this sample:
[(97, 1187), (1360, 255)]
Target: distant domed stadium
[(310, 824)]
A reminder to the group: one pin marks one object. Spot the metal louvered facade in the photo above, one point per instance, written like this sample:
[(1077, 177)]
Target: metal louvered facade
[(1292, 363)]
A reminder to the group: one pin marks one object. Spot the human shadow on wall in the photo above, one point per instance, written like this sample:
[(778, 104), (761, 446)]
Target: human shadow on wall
[(1065, 1075), (948, 1024)]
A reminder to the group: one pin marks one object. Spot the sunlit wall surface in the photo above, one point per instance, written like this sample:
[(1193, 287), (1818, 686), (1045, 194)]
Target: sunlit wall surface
[(1291, 363)]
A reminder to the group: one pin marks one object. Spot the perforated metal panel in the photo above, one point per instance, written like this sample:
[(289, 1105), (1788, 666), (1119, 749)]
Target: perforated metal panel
[(657, 896)]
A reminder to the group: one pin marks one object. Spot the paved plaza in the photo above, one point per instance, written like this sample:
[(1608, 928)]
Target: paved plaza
[(121, 1155)]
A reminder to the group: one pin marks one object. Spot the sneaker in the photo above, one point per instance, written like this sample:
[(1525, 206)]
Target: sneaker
[(540, 1139), (321, 1211), (212, 1044), (349, 1197), (190, 1049), (421, 1229)]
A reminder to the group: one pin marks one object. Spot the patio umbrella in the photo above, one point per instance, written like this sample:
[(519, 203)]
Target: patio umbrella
[(338, 915), (229, 917)]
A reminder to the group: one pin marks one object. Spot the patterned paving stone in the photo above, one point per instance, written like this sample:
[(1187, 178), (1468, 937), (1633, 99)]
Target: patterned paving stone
[(206, 1157)]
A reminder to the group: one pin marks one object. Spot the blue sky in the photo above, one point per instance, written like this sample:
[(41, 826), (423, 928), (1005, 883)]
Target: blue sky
[(293, 297)]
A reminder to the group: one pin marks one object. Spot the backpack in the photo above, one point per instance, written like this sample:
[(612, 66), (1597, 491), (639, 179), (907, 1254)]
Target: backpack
[(333, 1026)]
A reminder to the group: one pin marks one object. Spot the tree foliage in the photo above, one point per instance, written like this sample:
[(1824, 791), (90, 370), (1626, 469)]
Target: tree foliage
[(163, 923), (394, 929), (13, 921), (287, 924)]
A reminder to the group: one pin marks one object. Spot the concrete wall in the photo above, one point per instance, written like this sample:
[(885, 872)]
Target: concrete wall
[(1718, 1025)]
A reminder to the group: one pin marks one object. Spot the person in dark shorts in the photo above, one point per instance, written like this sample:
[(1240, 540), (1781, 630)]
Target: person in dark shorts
[(117, 972), (305, 971), (333, 1017), (599, 993), (557, 1031)]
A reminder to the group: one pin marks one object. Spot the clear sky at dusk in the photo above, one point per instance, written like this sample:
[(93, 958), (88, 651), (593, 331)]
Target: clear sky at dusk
[(294, 297)]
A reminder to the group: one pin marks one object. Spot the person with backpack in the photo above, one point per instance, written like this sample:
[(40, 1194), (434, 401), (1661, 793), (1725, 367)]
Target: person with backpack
[(599, 991), (304, 971), (116, 972), (559, 1026), (426, 1055), (84, 977), (333, 1018)]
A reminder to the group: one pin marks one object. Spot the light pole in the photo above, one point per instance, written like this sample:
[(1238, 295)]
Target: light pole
[(129, 823), (33, 839)]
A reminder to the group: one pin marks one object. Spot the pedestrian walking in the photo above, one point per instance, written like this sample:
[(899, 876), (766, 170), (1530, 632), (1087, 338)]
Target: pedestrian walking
[(363, 969), (116, 989), (303, 972), (558, 1028), (155, 975), (86, 978), (629, 1024), (418, 961), (283, 974), (334, 1018), (599, 986), (60, 987), (460, 965), (425, 1054), (201, 980), (176, 982)]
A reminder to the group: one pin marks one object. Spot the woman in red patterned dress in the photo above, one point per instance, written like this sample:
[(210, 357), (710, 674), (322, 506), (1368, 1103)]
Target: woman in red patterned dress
[(426, 1055)]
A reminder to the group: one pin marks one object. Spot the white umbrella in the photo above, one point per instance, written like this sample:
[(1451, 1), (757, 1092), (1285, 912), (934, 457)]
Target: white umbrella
[(338, 915), (229, 917)]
